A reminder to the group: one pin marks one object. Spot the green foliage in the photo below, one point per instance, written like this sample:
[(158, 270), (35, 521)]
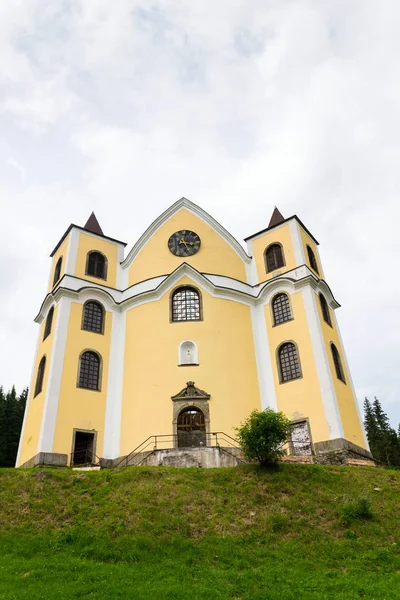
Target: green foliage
[(263, 434), (383, 440), (12, 408), (241, 533), (358, 509)]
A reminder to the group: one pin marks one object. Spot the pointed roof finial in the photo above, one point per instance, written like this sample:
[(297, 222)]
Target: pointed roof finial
[(93, 226), (276, 218)]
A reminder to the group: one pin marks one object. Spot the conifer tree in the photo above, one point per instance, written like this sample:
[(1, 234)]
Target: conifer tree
[(383, 440), (12, 408)]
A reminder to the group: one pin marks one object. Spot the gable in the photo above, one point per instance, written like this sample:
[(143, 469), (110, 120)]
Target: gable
[(219, 252)]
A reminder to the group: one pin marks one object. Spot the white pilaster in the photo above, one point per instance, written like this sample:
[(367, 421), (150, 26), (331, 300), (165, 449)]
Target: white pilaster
[(112, 427), (298, 247), (324, 374), (263, 358), (72, 252), (55, 366)]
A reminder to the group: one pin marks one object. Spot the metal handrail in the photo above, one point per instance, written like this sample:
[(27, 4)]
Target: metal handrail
[(88, 455)]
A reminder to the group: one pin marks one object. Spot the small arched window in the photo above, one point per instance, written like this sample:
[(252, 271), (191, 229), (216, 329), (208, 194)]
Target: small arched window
[(89, 371), (186, 304), (281, 309), (96, 265), (49, 322), (338, 363), (57, 271), (312, 260), (188, 353), (40, 376), (325, 310), (93, 317), (289, 363), (274, 258)]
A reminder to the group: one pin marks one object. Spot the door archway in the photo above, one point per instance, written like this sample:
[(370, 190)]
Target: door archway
[(191, 425)]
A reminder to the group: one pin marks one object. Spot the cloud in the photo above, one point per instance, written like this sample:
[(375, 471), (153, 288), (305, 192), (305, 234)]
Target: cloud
[(125, 107)]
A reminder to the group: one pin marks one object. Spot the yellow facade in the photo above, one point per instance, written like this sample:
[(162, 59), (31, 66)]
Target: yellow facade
[(61, 253), (233, 337)]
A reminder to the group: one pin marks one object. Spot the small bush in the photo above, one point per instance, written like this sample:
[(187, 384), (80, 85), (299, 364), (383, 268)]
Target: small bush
[(262, 436), (355, 510)]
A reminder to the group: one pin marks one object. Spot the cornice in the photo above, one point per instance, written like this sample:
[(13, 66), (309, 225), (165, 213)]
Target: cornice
[(196, 210)]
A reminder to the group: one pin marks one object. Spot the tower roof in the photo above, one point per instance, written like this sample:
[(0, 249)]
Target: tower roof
[(276, 218), (92, 225)]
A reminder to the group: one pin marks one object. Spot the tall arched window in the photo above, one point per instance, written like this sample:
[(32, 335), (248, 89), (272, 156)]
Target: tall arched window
[(96, 265), (93, 317), (89, 370), (49, 322), (338, 363), (40, 376), (186, 304), (325, 310), (289, 363), (274, 258), (57, 271), (312, 260), (281, 309)]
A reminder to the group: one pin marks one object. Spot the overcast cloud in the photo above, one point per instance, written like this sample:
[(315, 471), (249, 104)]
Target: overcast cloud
[(123, 107)]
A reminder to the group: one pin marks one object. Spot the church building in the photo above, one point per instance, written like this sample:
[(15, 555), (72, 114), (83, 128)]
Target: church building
[(183, 337)]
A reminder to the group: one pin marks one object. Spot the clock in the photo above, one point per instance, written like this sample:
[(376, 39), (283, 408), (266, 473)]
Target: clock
[(184, 243)]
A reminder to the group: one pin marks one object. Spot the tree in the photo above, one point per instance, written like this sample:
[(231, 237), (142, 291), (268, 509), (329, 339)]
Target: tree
[(12, 408), (383, 440), (263, 434)]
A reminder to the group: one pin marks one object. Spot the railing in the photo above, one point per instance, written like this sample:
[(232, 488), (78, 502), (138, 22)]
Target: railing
[(217, 439), (84, 458)]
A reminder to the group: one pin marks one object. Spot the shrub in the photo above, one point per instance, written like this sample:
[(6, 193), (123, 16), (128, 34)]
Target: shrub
[(355, 510), (262, 436)]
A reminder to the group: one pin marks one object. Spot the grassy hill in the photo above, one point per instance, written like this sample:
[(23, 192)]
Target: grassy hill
[(304, 532)]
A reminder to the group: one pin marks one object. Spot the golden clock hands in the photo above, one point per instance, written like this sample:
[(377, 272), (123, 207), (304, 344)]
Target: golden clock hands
[(182, 241)]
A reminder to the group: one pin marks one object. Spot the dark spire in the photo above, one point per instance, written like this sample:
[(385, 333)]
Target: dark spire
[(276, 218), (92, 225)]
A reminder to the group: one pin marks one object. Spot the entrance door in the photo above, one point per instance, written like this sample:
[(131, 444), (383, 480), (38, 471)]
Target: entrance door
[(83, 448), (191, 428)]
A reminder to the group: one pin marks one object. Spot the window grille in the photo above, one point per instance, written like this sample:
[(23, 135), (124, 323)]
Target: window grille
[(312, 260), (93, 317), (338, 363), (57, 271), (49, 322), (274, 257), (289, 362), (325, 310), (186, 305), (89, 371), (40, 376), (281, 309), (96, 265)]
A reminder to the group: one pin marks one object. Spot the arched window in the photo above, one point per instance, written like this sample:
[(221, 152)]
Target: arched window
[(96, 265), (49, 322), (281, 309), (338, 363), (57, 271), (89, 371), (325, 310), (40, 376), (93, 317), (289, 364), (312, 260), (186, 304), (274, 258), (188, 353)]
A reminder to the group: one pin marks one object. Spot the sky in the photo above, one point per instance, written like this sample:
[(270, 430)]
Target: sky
[(124, 107)]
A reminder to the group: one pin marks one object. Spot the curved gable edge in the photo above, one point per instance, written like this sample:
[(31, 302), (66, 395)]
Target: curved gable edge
[(196, 210)]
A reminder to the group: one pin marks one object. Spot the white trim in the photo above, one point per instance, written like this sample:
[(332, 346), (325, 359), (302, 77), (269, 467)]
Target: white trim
[(263, 358), (113, 417), (350, 381), (251, 268), (122, 274), (299, 254), (55, 366), (30, 397), (329, 400), (170, 212), (72, 252)]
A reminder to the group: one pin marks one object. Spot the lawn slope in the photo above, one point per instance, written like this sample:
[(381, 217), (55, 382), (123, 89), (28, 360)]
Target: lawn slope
[(303, 532)]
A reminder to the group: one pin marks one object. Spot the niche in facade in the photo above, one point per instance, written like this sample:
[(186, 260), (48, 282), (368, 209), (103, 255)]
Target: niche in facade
[(188, 353)]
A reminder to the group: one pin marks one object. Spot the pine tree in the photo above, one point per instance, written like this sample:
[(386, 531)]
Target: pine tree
[(12, 408), (3, 429), (383, 440)]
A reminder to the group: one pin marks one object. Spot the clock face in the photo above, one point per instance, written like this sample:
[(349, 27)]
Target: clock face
[(184, 243)]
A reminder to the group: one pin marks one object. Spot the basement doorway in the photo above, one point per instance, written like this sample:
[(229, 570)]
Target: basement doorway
[(191, 428), (83, 452)]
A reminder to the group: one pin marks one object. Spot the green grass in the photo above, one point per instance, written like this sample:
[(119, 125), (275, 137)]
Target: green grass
[(304, 532)]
